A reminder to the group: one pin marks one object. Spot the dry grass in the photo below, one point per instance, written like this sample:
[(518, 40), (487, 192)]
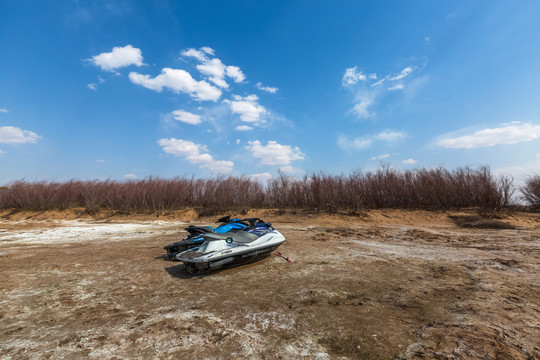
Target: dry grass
[(432, 189)]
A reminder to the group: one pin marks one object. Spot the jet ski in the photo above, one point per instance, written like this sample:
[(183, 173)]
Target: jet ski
[(195, 235), (236, 246)]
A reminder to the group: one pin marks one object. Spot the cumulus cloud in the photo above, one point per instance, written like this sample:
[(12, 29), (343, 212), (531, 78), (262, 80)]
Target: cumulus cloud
[(274, 153), (235, 73), (14, 135), (119, 57), (197, 54), (195, 154), (248, 108), (268, 89), (243, 128), (131, 177), (380, 157), (506, 134), (359, 143), (214, 69), (4, 110), (186, 117), (409, 161), (208, 50), (179, 81), (352, 76)]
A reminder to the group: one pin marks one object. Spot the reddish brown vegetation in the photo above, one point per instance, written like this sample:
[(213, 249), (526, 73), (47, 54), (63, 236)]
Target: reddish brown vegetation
[(435, 189), (531, 191)]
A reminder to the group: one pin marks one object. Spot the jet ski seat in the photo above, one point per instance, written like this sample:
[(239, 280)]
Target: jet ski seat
[(242, 237)]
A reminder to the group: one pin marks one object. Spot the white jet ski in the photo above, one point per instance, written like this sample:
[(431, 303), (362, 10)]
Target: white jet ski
[(252, 243)]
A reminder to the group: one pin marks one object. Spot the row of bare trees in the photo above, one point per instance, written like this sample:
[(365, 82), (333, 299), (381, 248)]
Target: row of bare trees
[(434, 189)]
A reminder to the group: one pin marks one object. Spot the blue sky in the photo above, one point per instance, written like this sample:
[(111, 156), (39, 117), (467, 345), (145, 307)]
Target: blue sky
[(126, 90)]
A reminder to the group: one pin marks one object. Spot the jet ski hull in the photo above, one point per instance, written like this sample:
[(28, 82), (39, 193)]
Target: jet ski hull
[(193, 268), (225, 253)]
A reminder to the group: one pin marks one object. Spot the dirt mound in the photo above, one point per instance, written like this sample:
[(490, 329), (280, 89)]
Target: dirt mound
[(478, 222)]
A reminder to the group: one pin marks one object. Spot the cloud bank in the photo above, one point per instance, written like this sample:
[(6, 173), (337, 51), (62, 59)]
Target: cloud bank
[(15, 135), (506, 134)]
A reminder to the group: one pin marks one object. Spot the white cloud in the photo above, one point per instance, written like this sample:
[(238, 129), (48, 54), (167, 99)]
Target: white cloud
[(237, 141), (94, 86), (2, 152), (4, 110), (101, 161), (504, 135), (396, 87), (214, 69), (360, 143), (269, 89), (208, 50), (380, 157), (405, 72), (409, 161), (243, 128), (235, 73), (352, 77), (538, 155), (195, 154), (248, 108), (118, 57), (178, 81), (274, 153), (14, 135), (197, 54), (186, 117), (131, 177), (345, 143), (390, 135)]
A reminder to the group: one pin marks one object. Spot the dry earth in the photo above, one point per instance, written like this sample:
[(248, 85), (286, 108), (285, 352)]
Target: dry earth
[(377, 285)]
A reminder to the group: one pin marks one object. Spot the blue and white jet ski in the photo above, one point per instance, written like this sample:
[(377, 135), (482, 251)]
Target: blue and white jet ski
[(237, 246), (195, 235)]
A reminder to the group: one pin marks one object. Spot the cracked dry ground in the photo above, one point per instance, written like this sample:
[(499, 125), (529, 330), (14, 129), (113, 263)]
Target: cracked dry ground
[(355, 290)]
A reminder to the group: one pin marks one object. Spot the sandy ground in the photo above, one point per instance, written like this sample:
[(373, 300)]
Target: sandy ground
[(377, 285)]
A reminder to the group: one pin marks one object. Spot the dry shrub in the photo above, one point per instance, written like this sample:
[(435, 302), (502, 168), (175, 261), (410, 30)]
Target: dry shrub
[(531, 191), (433, 189)]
